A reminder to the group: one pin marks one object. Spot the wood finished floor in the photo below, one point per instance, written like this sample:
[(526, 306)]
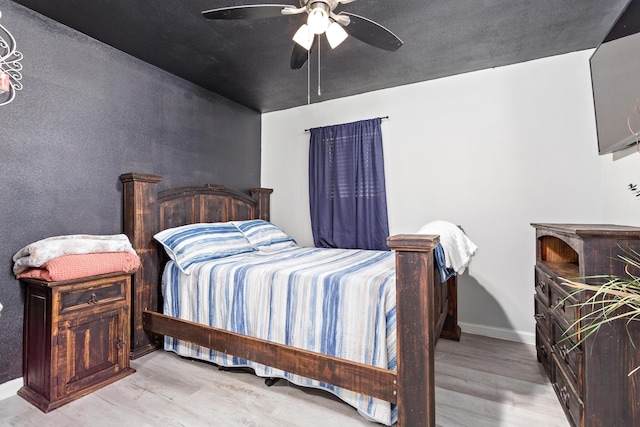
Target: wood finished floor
[(480, 381)]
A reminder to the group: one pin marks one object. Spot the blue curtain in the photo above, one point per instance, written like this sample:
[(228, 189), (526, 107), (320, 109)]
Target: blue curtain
[(346, 186)]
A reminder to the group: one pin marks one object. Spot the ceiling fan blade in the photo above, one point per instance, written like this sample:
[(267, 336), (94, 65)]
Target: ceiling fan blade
[(299, 55), (252, 11), (371, 33)]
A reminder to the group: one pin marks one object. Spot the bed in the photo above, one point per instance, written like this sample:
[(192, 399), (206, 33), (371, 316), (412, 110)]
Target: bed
[(419, 295)]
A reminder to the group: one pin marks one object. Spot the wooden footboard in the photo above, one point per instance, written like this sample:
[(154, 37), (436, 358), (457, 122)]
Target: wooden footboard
[(373, 381), (426, 309)]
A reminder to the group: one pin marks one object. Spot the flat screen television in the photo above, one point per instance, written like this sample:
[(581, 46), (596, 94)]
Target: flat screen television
[(615, 76)]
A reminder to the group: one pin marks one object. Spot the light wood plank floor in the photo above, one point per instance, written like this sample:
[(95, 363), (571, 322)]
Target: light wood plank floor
[(480, 381)]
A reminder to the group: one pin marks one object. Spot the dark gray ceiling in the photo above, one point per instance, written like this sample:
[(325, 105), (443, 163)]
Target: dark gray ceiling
[(248, 61)]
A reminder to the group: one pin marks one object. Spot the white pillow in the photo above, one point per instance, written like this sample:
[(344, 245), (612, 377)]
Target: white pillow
[(189, 244), (263, 235)]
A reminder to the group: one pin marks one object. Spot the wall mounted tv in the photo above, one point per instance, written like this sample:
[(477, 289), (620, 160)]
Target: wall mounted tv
[(615, 75)]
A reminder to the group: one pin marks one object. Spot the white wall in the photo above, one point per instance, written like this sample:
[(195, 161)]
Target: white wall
[(618, 171), (493, 151)]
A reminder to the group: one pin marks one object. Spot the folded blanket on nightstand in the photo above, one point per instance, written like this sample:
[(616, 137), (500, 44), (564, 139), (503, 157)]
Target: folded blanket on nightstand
[(68, 267), (78, 255)]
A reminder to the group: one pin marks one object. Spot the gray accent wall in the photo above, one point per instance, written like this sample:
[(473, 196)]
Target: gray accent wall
[(87, 114)]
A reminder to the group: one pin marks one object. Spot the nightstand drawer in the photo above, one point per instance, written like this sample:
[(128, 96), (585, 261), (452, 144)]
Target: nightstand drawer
[(92, 296)]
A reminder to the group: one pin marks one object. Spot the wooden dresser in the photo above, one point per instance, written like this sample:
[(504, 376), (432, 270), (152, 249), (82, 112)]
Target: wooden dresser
[(590, 380), (76, 337)]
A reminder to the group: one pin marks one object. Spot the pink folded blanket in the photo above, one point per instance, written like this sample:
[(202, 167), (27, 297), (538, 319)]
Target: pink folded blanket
[(67, 267), (37, 253)]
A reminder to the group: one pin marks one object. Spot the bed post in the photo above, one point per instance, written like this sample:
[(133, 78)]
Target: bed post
[(415, 325), (262, 197), (140, 192), (450, 329)]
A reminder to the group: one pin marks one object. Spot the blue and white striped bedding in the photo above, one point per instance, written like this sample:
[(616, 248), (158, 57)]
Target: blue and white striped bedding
[(333, 301)]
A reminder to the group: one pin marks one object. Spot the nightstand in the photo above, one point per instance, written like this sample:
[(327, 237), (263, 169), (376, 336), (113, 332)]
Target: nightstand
[(76, 337)]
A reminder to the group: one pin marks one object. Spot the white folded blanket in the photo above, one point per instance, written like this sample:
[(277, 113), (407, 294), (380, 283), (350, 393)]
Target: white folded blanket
[(37, 253), (458, 248)]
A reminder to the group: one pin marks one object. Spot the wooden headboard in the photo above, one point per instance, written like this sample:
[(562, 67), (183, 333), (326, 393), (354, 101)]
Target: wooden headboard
[(148, 211)]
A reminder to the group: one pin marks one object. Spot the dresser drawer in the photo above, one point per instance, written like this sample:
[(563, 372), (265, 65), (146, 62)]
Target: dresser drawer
[(92, 295), (568, 396), (543, 285), (569, 356), (564, 308), (543, 352), (542, 316)]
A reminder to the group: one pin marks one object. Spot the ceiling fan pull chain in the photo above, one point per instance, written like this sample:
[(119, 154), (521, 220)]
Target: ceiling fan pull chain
[(308, 80), (319, 92)]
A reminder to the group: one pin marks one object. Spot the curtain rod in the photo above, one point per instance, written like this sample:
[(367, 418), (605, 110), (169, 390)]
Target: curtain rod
[(381, 118)]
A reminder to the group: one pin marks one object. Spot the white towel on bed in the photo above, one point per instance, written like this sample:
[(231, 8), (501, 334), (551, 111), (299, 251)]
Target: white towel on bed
[(37, 253), (458, 248)]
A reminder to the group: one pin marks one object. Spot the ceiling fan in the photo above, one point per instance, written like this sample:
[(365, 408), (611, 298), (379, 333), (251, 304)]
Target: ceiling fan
[(321, 19)]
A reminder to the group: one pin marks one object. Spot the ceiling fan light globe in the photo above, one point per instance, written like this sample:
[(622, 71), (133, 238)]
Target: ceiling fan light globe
[(335, 35), (304, 36), (318, 19)]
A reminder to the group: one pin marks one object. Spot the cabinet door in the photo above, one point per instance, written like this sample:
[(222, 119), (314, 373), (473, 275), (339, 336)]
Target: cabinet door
[(92, 348)]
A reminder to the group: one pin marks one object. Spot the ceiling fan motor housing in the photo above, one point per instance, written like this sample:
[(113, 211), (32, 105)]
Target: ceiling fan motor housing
[(309, 3)]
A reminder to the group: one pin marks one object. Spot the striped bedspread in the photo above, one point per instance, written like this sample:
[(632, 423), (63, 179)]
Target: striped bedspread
[(339, 302)]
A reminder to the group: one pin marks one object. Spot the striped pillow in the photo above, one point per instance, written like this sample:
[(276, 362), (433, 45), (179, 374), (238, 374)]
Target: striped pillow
[(192, 243), (263, 235)]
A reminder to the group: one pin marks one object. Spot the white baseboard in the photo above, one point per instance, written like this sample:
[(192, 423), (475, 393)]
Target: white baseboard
[(501, 333), (10, 388)]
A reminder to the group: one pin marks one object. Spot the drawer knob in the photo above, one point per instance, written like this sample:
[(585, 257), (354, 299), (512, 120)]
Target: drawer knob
[(93, 299), (564, 351), (539, 316), (564, 395), (541, 284), (543, 349)]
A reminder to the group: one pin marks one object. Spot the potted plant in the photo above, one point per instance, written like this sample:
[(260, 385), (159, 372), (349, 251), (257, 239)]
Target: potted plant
[(616, 298)]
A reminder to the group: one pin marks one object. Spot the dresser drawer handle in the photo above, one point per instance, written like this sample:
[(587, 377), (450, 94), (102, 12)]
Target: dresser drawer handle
[(560, 303), (564, 351), (564, 395), (93, 299), (539, 316)]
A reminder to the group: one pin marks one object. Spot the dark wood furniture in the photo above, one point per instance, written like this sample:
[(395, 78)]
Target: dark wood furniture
[(425, 308), (591, 379), (76, 337)]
